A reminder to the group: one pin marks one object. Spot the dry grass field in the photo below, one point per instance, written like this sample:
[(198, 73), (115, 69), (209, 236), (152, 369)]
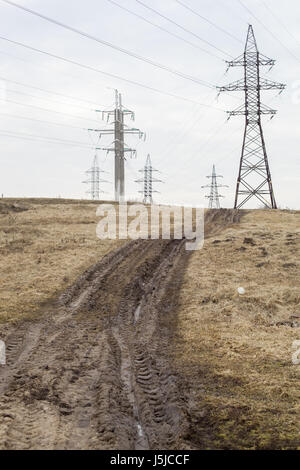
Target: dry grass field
[(44, 246), (231, 353), (234, 352)]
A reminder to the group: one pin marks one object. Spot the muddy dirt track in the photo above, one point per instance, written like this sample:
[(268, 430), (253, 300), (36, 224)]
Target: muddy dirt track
[(94, 373)]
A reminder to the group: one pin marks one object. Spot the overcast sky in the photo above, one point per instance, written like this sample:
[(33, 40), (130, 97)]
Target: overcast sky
[(183, 138)]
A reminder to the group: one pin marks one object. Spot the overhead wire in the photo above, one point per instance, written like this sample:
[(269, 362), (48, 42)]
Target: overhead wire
[(15, 116), (163, 29), (196, 119), (211, 135), (187, 7), (268, 30), (106, 43), (40, 138), (179, 26), (18, 92), (46, 109), (91, 68), (111, 75), (48, 91), (271, 11)]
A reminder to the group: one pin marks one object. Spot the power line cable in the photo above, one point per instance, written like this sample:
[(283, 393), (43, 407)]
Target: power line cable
[(269, 31), (48, 91), (210, 152), (42, 138), (102, 72), (210, 136), (108, 44), (42, 121), (231, 11), (179, 26), (41, 66), (227, 156), (48, 99), (207, 20), (37, 140), (195, 119), (16, 57), (45, 109), (93, 69), (271, 11), (163, 29), (187, 127), (216, 131), (217, 145)]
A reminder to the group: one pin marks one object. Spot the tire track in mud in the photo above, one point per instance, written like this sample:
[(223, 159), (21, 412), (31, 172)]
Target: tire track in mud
[(63, 386), (94, 373), (136, 331), (18, 346)]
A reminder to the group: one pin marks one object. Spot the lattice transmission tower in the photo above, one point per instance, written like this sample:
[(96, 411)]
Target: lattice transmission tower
[(214, 196), (148, 181), (254, 177), (95, 180), (118, 147)]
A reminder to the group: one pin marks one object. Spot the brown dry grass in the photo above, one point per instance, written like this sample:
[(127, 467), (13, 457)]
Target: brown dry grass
[(234, 352), (43, 250), (45, 244)]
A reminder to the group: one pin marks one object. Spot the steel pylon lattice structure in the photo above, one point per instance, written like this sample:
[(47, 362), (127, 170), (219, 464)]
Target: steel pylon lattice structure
[(119, 147), (148, 181), (254, 177), (214, 196), (94, 180)]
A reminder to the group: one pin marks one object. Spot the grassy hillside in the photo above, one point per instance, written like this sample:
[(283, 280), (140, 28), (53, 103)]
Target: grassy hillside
[(234, 352), (44, 245)]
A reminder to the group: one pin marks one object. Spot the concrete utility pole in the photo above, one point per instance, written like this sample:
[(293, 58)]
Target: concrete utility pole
[(94, 180), (214, 197), (254, 178), (119, 148), (148, 181)]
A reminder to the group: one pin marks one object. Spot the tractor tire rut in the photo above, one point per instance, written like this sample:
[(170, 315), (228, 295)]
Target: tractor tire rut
[(94, 372), (89, 375)]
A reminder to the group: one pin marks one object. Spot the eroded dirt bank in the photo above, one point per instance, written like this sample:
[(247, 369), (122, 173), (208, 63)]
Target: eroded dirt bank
[(94, 373)]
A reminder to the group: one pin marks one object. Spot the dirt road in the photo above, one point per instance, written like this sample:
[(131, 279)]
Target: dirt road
[(94, 373)]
